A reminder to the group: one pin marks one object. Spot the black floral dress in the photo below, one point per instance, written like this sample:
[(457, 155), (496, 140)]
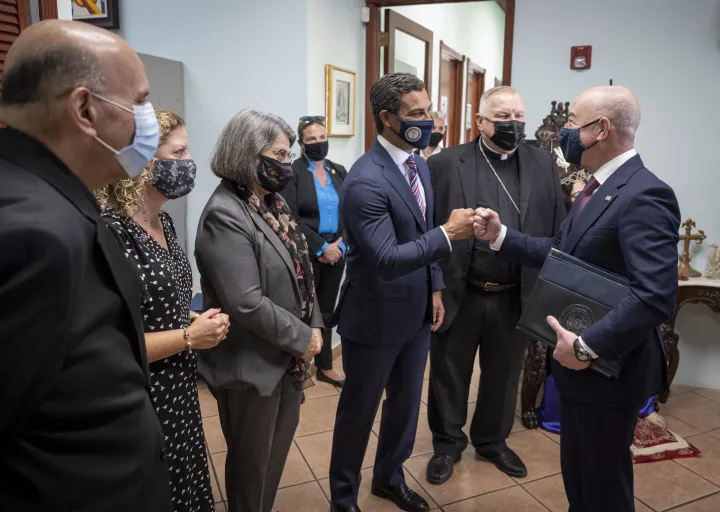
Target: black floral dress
[(167, 278)]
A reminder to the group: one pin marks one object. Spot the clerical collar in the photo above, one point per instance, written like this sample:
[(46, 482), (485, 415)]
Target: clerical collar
[(492, 155)]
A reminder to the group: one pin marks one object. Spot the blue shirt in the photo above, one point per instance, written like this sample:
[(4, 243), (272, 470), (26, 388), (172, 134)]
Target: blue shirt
[(328, 206)]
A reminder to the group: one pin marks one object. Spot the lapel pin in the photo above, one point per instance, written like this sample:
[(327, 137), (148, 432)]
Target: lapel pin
[(332, 171), (608, 198)]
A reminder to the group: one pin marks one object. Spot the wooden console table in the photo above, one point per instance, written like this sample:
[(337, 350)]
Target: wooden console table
[(699, 290)]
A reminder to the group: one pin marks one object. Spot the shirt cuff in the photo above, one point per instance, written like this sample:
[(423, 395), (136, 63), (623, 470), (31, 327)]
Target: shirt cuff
[(342, 247), (497, 244), (588, 349), (322, 250), (447, 237)]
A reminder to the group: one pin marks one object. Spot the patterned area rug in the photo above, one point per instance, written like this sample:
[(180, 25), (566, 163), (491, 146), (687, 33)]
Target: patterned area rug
[(654, 442)]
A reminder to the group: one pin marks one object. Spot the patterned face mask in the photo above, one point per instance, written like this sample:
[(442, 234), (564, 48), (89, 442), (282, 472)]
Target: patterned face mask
[(274, 175), (174, 178)]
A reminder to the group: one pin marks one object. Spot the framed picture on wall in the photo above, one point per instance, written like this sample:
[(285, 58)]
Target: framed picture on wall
[(339, 101), (101, 13)]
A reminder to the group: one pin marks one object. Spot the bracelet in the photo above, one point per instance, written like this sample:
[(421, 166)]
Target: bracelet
[(186, 337)]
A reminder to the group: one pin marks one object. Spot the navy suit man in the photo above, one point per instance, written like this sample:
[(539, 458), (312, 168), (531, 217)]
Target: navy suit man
[(392, 294), (626, 221)]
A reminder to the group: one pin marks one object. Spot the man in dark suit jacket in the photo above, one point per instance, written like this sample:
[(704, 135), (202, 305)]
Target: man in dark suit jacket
[(626, 221), (390, 298), (78, 430), (482, 295)]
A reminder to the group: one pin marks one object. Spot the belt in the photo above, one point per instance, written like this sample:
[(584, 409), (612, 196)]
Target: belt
[(329, 237), (492, 287)]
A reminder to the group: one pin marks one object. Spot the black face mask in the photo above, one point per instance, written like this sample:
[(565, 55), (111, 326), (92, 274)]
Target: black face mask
[(174, 178), (435, 139), (316, 152), (508, 134), (273, 175)]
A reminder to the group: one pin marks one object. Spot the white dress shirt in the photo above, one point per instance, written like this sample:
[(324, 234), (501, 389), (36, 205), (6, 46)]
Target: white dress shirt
[(400, 156), (601, 175)]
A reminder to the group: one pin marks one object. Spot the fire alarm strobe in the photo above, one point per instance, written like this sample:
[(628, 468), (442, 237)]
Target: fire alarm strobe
[(580, 57)]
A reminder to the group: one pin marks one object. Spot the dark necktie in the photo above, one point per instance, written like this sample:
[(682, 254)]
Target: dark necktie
[(584, 197), (415, 184)]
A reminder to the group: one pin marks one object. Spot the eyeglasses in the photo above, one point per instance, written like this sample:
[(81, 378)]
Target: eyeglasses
[(312, 119), (283, 156)]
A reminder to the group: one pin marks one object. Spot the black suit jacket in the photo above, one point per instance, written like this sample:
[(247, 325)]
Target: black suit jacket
[(78, 430), (301, 197), (454, 180)]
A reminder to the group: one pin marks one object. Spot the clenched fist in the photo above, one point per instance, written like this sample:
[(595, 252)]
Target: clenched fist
[(486, 224), (460, 224)]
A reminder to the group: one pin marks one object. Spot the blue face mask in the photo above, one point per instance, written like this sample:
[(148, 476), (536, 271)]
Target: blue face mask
[(571, 144), (415, 133), (135, 157)]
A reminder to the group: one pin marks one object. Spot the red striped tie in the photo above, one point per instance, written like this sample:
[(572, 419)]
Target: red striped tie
[(415, 184), (584, 197)]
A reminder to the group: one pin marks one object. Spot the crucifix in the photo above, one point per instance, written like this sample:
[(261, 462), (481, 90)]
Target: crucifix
[(684, 269)]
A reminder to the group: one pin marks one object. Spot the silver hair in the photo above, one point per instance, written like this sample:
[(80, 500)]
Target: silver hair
[(492, 92), (237, 153)]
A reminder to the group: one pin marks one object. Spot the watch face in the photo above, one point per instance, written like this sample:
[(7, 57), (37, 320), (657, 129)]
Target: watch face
[(580, 353)]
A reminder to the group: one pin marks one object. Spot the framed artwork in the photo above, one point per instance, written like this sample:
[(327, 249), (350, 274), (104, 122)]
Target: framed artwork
[(339, 101), (101, 13)]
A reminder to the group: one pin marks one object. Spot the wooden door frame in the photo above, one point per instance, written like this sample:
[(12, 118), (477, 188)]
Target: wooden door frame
[(472, 69), (396, 21), (453, 55), (373, 44), (48, 9)]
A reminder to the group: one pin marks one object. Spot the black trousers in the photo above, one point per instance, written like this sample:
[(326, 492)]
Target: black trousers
[(595, 456), (398, 370), (327, 284), (259, 433), (486, 322)]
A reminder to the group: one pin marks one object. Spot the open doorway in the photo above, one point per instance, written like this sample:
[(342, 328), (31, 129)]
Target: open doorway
[(451, 45)]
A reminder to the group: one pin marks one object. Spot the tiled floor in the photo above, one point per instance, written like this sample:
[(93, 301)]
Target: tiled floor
[(690, 485)]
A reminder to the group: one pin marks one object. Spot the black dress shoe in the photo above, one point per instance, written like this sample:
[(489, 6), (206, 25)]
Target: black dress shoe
[(353, 508), (403, 497), (321, 377), (440, 468), (504, 459)]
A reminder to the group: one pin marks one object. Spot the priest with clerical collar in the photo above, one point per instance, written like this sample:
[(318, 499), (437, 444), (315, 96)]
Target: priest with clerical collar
[(484, 294)]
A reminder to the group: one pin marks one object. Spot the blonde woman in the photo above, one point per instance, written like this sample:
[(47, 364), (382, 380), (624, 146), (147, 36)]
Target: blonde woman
[(132, 210)]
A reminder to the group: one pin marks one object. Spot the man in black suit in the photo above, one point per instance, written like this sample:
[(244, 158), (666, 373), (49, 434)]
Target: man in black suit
[(77, 426), (483, 292), (626, 221)]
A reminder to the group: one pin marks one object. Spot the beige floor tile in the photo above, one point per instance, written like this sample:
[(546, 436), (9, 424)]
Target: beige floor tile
[(517, 425), (641, 507), (296, 470), (307, 497), (320, 390), (208, 404), (550, 492), (695, 410), (317, 415), (475, 381), (514, 499), (366, 500), (679, 389), (712, 394), (427, 368), (663, 485), (219, 461), (540, 454), (317, 450), (552, 435), (213, 434), (220, 507), (715, 433), (679, 427), (201, 383), (711, 504), (471, 478), (425, 389), (708, 463)]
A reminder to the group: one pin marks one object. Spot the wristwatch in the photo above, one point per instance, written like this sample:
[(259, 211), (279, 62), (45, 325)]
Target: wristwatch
[(580, 353)]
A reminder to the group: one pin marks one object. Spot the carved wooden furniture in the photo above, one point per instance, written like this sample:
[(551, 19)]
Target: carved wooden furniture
[(696, 290)]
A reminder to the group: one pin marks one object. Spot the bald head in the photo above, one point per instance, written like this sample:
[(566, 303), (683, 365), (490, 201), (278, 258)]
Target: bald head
[(498, 96), (53, 57), (616, 103)]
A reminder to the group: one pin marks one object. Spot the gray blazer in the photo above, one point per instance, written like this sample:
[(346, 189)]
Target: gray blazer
[(246, 271)]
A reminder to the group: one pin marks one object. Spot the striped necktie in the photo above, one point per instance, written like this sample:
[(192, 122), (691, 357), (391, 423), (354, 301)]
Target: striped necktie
[(415, 184), (584, 197)]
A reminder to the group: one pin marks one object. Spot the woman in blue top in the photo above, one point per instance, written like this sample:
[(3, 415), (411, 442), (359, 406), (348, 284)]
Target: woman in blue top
[(313, 196)]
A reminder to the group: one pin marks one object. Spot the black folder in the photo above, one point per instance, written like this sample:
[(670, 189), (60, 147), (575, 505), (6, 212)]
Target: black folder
[(578, 294)]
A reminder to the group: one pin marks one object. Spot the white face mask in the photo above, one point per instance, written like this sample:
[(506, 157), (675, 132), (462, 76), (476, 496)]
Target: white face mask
[(135, 157)]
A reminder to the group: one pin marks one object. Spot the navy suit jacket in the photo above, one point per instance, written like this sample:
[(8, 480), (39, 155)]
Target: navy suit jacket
[(630, 227), (390, 273)]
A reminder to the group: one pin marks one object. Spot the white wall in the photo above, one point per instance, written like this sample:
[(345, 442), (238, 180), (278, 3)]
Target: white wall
[(64, 9), (336, 35), (474, 29), (247, 55), (667, 52)]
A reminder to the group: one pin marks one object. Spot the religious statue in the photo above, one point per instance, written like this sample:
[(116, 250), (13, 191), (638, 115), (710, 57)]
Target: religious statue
[(713, 263), (684, 269)]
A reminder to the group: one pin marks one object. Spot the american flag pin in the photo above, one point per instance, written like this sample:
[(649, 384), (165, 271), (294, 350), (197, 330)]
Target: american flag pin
[(608, 198)]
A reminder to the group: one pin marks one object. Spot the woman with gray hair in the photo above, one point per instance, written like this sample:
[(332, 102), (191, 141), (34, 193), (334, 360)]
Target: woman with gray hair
[(254, 264)]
